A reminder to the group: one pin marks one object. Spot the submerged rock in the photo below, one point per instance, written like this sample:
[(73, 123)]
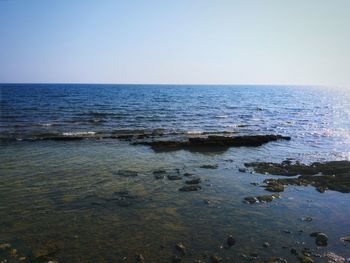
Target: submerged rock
[(127, 173), (209, 166), (321, 239), (159, 174), (174, 177), (242, 170), (230, 241), (189, 188), (307, 219), (193, 181)]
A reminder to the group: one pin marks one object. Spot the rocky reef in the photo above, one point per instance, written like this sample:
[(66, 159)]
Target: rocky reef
[(213, 141), (333, 175)]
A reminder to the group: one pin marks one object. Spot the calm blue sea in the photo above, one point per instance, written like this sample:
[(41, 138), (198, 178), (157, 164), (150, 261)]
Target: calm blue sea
[(318, 120)]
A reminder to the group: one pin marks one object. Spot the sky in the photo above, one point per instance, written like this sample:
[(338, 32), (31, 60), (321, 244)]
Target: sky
[(291, 42)]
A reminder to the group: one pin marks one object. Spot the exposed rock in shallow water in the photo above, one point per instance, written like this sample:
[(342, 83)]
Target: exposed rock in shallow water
[(347, 239), (273, 186), (267, 198), (333, 175), (251, 199), (223, 142)]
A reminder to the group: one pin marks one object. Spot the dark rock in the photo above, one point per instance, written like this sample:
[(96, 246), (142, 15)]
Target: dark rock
[(230, 241), (174, 174), (267, 198), (159, 176), (181, 247), (159, 172), (275, 187), (314, 234), (306, 219), (127, 173), (174, 177), (242, 170), (193, 181), (213, 141), (209, 166), (294, 251), (189, 188), (333, 175), (321, 239), (187, 174), (215, 259)]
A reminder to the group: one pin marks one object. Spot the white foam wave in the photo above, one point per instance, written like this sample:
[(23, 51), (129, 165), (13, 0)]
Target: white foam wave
[(78, 133)]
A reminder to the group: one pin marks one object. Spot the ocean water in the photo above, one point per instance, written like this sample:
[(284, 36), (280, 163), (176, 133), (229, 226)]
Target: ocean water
[(66, 200)]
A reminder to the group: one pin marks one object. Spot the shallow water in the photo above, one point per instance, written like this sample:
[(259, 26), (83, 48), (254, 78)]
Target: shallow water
[(62, 199)]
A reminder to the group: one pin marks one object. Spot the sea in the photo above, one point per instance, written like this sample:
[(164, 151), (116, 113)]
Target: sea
[(70, 201)]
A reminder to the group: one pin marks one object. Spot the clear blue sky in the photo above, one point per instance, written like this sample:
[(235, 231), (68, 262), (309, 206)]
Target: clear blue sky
[(182, 41)]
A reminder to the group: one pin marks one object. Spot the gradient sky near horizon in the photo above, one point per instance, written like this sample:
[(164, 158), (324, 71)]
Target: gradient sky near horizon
[(203, 42)]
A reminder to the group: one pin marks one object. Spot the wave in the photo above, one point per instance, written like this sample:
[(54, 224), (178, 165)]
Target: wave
[(78, 133)]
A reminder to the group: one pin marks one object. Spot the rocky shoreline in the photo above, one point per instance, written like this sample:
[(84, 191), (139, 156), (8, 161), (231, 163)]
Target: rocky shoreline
[(333, 175)]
